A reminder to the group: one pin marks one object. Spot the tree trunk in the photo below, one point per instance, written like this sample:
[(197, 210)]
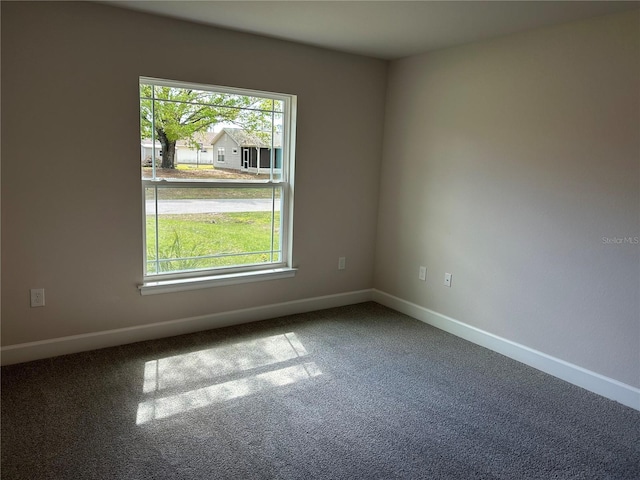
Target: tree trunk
[(168, 150)]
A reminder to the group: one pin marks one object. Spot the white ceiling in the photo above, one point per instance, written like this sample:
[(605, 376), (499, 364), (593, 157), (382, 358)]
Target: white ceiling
[(382, 29)]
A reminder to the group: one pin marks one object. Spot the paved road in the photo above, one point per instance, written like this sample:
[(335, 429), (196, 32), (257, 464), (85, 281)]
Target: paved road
[(211, 206)]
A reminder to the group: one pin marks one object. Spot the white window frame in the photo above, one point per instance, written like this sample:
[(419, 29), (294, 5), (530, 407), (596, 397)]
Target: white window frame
[(220, 155), (196, 279)]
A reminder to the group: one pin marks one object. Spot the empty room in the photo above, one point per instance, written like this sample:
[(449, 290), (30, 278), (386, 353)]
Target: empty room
[(323, 239)]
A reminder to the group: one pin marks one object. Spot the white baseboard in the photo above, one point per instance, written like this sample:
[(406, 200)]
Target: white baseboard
[(594, 382), (26, 352)]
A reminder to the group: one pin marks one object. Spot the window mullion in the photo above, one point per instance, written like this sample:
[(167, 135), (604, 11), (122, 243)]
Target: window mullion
[(153, 131), (157, 229), (203, 104), (273, 217), (209, 184)]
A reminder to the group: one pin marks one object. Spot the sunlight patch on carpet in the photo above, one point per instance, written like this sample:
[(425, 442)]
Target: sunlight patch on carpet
[(175, 404), (187, 373), (172, 372)]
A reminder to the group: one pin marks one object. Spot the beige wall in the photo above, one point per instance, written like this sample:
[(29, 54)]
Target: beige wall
[(71, 208), (506, 163)]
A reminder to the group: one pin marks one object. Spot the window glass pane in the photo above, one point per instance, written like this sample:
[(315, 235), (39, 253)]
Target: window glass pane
[(188, 142), (203, 228), (277, 139), (276, 231), (150, 231)]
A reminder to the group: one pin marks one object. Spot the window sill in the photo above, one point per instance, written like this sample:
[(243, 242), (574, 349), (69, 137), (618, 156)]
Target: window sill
[(182, 284)]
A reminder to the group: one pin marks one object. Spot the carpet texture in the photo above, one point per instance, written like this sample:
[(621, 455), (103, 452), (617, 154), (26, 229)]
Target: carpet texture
[(358, 392)]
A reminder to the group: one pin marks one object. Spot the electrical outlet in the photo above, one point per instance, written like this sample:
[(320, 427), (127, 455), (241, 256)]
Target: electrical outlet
[(342, 263), (447, 279), (37, 297), (422, 274)]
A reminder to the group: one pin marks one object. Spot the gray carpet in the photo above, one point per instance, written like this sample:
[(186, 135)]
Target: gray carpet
[(359, 392)]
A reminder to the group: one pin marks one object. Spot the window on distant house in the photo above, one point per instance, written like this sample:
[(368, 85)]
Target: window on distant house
[(204, 226), (234, 150)]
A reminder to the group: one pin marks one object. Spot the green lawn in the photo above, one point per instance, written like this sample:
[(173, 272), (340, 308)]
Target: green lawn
[(181, 237), (204, 173)]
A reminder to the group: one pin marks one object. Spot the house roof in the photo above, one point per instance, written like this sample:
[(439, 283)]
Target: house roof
[(242, 137), (246, 139), (205, 138)]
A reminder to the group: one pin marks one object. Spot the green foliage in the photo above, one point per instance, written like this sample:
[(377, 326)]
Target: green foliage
[(185, 254), (179, 113)]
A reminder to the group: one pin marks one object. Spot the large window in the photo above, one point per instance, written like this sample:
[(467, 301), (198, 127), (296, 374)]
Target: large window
[(204, 224)]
